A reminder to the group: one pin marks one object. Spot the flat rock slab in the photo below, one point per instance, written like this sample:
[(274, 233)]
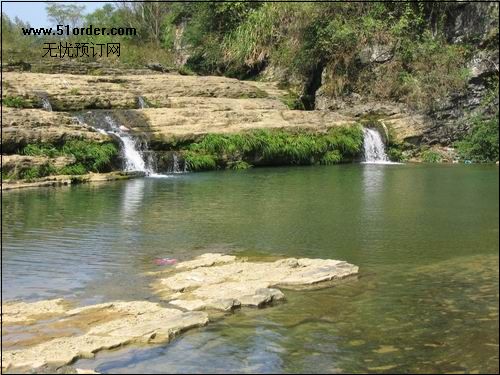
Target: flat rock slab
[(222, 282), (48, 333)]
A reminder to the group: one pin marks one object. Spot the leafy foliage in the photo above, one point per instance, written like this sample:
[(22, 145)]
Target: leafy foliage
[(31, 173), (481, 144), (429, 156), (199, 161)]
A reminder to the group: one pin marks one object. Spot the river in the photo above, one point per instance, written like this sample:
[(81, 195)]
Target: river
[(426, 239)]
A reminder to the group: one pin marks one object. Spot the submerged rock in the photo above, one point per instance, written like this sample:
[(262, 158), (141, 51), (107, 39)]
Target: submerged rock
[(221, 282)]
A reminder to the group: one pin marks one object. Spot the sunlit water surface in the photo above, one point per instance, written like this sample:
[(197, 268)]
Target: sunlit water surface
[(425, 239)]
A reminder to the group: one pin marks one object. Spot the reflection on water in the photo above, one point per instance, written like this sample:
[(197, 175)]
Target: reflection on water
[(425, 238), (132, 198), (373, 181)]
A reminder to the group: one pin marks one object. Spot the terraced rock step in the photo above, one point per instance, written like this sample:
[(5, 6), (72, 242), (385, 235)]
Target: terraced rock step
[(24, 126), (163, 113), (68, 92)]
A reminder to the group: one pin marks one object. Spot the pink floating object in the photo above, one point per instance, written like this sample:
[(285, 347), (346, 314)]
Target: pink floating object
[(124, 128), (165, 261)]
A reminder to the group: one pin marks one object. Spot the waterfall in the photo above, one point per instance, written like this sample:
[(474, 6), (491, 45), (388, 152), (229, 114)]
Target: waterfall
[(45, 102), (133, 158), (374, 147), (136, 156), (175, 164), (142, 103)]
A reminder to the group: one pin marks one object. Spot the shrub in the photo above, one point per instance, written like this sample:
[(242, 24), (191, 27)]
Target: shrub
[(29, 174), (74, 169), (89, 156), (481, 144), (430, 156), (95, 157), (331, 157), (41, 149), (15, 101), (32, 173), (395, 154), (292, 101), (239, 165)]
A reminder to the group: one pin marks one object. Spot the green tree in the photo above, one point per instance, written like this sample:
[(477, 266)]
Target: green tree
[(65, 14)]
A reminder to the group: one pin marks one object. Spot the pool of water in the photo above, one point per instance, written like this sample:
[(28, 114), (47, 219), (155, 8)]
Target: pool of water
[(426, 239)]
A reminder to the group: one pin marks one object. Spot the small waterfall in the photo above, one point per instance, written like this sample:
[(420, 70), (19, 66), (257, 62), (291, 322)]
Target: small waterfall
[(374, 147), (136, 156), (133, 158), (45, 102), (141, 102), (175, 168)]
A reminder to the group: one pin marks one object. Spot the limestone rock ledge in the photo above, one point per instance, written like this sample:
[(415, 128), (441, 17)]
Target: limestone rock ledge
[(222, 282), (62, 335), (51, 334), (65, 180)]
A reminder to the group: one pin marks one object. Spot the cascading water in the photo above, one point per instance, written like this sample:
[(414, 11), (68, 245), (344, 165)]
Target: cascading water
[(142, 103), (175, 164), (46, 103), (133, 158), (131, 147), (136, 156), (374, 147)]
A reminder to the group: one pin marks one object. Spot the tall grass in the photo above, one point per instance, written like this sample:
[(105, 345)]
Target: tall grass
[(267, 147), (88, 156)]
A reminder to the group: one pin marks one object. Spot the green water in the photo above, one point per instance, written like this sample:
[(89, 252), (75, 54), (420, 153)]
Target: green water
[(425, 238)]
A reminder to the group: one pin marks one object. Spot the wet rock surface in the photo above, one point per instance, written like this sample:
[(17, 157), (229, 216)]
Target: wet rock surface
[(215, 281), (61, 337), (64, 180), (52, 334)]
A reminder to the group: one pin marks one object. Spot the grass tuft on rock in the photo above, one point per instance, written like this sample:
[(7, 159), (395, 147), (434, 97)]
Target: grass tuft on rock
[(89, 156), (274, 147)]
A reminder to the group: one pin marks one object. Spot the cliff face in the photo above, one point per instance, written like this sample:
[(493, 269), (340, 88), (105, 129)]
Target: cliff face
[(474, 24), (470, 24)]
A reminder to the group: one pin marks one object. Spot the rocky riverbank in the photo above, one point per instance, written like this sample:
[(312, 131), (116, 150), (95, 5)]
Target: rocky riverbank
[(55, 333), (170, 117), (66, 180)]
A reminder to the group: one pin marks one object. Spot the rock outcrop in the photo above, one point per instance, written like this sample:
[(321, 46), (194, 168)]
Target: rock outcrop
[(63, 335), (52, 333), (178, 106), (65, 180), (68, 92), (24, 126), (220, 282)]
